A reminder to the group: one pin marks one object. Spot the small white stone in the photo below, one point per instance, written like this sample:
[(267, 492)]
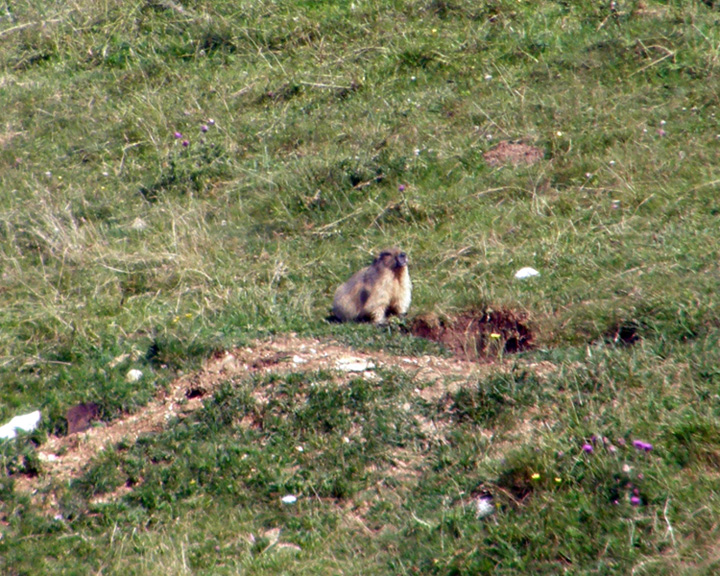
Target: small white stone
[(134, 375), (289, 499), (299, 448), (526, 272), (354, 365), (298, 360), (25, 422), (46, 457)]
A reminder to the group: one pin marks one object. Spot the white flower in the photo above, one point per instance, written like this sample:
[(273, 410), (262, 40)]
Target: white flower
[(483, 507)]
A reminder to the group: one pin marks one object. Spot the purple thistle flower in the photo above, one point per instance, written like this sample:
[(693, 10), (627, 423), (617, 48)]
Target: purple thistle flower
[(204, 128), (185, 143), (211, 122), (401, 187), (640, 445), (621, 441), (635, 501), (612, 449), (587, 448), (177, 135)]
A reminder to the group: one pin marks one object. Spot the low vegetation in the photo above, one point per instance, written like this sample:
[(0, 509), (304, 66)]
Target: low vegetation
[(183, 178)]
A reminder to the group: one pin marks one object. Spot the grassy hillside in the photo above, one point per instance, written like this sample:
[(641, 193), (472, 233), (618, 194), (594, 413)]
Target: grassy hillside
[(178, 178)]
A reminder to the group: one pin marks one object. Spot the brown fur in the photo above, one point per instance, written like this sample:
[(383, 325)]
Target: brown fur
[(375, 292)]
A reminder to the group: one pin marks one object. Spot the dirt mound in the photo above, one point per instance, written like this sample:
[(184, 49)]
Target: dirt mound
[(64, 458), (515, 153), (477, 336)]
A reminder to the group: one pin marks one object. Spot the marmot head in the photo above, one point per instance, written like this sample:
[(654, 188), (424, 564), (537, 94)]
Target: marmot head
[(392, 258)]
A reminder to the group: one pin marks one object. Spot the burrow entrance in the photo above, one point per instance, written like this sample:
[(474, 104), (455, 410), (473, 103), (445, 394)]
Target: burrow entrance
[(477, 335)]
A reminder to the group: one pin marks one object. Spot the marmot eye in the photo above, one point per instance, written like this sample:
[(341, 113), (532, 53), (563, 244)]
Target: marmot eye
[(402, 255)]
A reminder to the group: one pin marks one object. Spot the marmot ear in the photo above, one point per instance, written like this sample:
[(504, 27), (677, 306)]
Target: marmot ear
[(384, 254)]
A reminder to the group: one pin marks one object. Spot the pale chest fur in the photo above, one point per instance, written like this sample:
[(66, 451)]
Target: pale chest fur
[(402, 295)]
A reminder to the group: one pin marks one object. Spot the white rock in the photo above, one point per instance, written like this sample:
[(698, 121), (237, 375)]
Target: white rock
[(354, 365), (526, 272), (46, 457), (24, 422), (298, 359), (289, 499), (134, 375)]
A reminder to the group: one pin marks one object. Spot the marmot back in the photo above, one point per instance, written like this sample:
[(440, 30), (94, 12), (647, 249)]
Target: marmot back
[(375, 292)]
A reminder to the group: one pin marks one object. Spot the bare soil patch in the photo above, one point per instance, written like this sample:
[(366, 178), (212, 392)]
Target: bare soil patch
[(515, 153), (65, 457), (476, 335)]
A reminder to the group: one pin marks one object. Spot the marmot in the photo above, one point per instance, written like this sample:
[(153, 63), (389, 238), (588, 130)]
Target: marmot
[(373, 293)]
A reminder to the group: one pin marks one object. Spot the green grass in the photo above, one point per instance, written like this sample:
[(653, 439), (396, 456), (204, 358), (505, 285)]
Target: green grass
[(115, 239)]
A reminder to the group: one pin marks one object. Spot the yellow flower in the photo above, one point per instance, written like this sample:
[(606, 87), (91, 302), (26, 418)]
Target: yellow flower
[(535, 476), (558, 479), (495, 335)]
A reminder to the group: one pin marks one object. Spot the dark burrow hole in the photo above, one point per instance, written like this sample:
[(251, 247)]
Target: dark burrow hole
[(194, 392), (477, 335), (625, 333)]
